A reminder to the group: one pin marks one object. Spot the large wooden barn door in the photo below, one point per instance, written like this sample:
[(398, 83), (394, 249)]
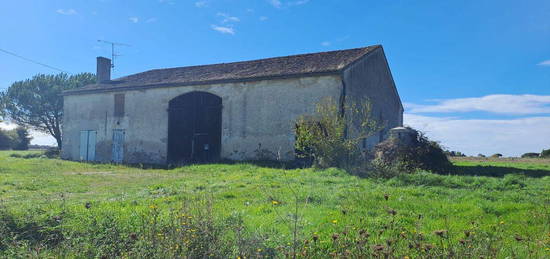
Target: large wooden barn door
[(194, 128)]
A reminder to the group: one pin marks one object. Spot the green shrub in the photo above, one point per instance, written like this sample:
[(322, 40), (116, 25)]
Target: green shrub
[(545, 153), (530, 155), (497, 155), (422, 154), (332, 137), (454, 153), (52, 153)]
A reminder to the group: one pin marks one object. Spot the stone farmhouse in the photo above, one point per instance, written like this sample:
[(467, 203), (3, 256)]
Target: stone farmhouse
[(221, 111)]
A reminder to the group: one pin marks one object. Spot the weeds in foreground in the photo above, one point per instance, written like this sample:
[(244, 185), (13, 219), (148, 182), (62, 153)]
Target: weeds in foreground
[(192, 231)]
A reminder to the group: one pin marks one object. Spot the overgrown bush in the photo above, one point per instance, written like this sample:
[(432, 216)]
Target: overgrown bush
[(52, 153), (394, 157), (545, 153), (497, 155), (332, 137)]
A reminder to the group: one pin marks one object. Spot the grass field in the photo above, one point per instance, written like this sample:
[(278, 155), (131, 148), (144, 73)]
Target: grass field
[(492, 208)]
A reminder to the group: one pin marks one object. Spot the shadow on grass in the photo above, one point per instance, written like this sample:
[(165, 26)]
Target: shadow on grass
[(260, 163), (497, 171)]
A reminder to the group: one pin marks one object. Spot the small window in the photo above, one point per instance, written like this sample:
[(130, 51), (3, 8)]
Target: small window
[(119, 105)]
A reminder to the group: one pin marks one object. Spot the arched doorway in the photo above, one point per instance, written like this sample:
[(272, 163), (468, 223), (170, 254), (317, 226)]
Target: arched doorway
[(194, 128)]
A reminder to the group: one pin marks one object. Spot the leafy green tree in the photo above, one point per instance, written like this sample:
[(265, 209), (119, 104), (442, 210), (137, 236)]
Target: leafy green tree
[(22, 140), (37, 102)]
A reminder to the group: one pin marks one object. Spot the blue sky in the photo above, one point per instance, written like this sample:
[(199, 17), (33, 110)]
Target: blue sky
[(474, 75)]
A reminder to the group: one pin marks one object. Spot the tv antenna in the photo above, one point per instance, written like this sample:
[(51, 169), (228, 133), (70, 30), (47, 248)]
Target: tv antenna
[(113, 53)]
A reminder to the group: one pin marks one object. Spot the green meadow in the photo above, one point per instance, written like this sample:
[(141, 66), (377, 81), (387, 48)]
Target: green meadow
[(55, 208)]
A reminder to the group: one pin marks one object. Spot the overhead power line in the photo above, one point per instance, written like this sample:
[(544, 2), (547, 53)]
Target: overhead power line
[(32, 61)]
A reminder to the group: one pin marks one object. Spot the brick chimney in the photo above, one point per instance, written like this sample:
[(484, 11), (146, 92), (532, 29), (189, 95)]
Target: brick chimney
[(103, 70)]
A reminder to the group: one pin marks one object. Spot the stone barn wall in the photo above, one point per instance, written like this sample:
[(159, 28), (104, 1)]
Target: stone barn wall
[(257, 118), (370, 77)]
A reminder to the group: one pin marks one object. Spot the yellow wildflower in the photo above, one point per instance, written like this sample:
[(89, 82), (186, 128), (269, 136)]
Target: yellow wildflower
[(334, 221), (275, 202)]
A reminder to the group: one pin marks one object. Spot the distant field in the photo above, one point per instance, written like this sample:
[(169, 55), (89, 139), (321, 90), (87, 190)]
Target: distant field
[(81, 209), (504, 160)]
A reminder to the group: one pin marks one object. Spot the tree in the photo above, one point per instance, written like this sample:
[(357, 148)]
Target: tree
[(22, 140), (6, 141), (37, 102)]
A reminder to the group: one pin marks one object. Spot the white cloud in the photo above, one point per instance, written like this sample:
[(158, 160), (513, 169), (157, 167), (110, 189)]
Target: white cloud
[(228, 19), (201, 4), (171, 2), (134, 19), (263, 18), (223, 29), (544, 63), (472, 136), (280, 4), (325, 43), (276, 3), (498, 103), (151, 20), (300, 2), (66, 11)]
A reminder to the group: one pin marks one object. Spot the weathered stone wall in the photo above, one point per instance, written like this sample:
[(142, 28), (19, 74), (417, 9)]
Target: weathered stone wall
[(371, 78), (257, 118)]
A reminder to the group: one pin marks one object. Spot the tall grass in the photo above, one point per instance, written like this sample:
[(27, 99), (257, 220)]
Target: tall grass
[(53, 208), (191, 230)]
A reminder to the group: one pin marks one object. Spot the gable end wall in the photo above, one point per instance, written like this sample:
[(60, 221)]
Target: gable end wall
[(370, 77)]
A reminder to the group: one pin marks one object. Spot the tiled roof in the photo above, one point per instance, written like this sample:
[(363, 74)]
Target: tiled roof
[(262, 69)]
